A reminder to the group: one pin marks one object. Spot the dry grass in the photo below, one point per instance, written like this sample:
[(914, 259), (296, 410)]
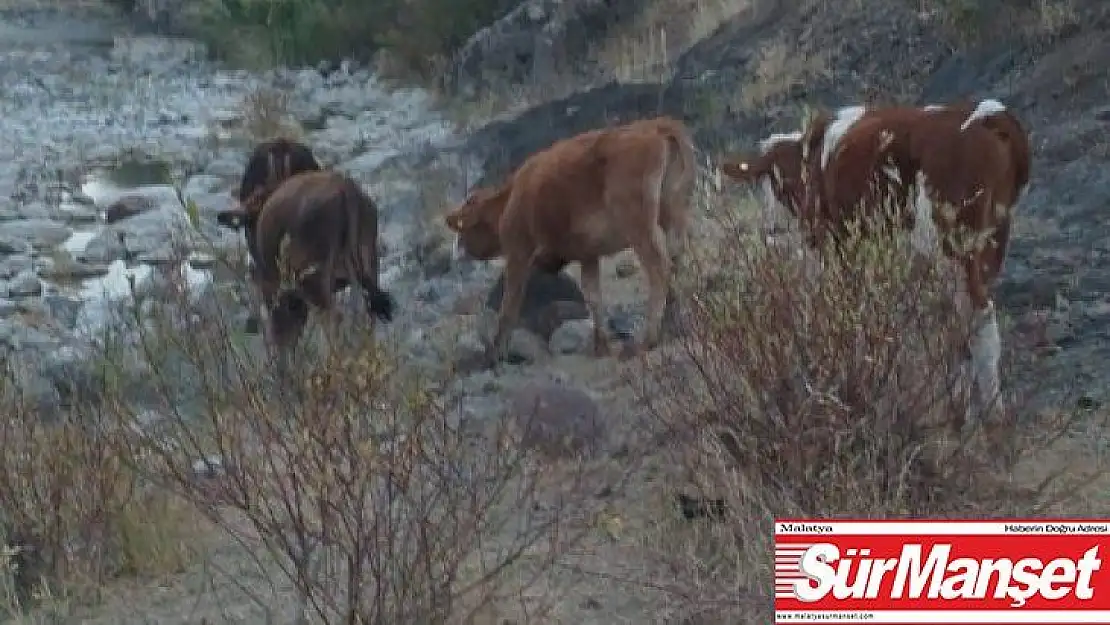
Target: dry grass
[(644, 50), (1053, 16), (265, 115), (76, 514), (968, 20)]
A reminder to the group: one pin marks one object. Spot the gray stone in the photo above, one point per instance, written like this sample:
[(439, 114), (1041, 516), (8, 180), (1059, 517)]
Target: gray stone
[(573, 337), (549, 301), (557, 421), (204, 183), (208, 204), (26, 284), (524, 347), (62, 309), (13, 265), (72, 213), (11, 245), (41, 234), (128, 206), (226, 168), (66, 270), (106, 247)]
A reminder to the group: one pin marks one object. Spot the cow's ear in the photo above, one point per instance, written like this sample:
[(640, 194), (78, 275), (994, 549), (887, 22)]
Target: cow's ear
[(234, 218)]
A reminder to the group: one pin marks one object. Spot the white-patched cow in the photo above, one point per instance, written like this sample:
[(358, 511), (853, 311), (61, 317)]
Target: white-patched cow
[(956, 171)]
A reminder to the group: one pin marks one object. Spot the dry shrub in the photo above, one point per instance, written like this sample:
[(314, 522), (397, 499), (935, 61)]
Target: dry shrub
[(780, 69), (343, 471), (266, 115), (664, 30), (810, 389), (73, 512), (970, 20)]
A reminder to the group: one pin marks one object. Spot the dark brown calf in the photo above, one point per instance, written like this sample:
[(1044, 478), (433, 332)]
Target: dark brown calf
[(273, 161), (581, 199), (313, 235)]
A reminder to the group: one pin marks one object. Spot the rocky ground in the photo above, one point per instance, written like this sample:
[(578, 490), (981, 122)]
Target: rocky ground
[(90, 118), (101, 131)]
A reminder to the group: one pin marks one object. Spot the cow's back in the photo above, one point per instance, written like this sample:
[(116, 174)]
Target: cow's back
[(585, 195), (310, 209)]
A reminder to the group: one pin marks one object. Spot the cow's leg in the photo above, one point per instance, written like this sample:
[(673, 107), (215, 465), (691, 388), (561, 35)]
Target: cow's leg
[(676, 248), (267, 292), (516, 278), (591, 290), (986, 341), (652, 252), (316, 286)]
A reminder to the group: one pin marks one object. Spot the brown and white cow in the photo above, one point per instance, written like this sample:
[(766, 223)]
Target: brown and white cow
[(309, 236), (955, 172), (581, 199)]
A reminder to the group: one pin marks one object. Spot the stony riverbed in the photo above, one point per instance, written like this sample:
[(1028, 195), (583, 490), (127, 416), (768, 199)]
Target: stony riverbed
[(102, 130)]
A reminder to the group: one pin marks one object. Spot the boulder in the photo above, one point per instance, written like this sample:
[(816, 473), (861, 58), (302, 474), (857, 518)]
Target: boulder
[(550, 300), (557, 421)]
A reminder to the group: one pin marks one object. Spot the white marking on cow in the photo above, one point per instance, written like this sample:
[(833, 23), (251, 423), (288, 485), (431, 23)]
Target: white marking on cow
[(892, 172), (844, 120), (457, 251), (924, 237), (768, 144), (985, 109), (986, 352), (934, 108)]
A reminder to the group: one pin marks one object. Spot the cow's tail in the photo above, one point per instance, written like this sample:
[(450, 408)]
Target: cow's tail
[(990, 114), (380, 303), (679, 172)]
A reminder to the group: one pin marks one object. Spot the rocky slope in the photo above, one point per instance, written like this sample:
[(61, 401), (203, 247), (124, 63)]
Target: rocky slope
[(1047, 67)]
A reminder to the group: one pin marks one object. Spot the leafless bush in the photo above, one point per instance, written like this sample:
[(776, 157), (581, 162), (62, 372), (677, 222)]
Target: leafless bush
[(73, 513), (351, 475), (823, 385)]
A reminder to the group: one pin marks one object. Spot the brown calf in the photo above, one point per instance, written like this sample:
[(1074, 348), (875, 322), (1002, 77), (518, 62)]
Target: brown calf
[(959, 171), (312, 236), (583, 198)]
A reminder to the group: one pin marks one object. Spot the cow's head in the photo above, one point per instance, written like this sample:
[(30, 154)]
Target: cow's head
[(271, 163), (777, 169), (475, 223)]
